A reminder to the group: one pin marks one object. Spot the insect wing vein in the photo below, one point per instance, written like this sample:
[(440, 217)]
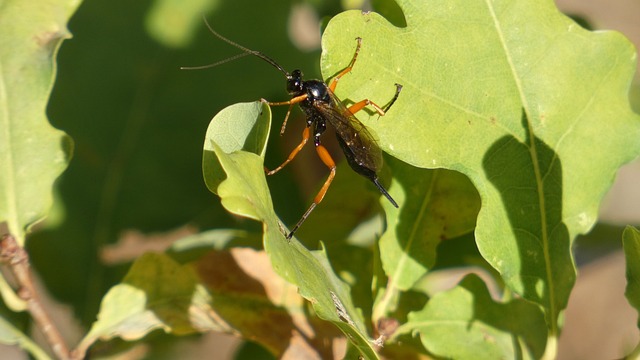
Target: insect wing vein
[(363, 145)]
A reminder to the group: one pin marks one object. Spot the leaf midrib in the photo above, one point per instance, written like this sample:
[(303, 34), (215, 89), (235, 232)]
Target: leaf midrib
[(392, 288), (8, 160), (537, 172)]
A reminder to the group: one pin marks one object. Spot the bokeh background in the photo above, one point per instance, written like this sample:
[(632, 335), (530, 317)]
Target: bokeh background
[(138, 123)]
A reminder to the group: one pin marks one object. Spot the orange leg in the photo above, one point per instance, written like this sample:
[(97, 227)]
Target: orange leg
[(334, 82), (305, 138), (366, 102), (294, 100), (286, 118), (291, 102), (328, 161)]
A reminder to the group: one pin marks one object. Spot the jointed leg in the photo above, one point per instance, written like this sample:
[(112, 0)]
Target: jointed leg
[(334, 82), (361, 104), (366, 102), (294, 100), (294, 152), (291, 102), (328, 161), (395, 97), (286, 118)]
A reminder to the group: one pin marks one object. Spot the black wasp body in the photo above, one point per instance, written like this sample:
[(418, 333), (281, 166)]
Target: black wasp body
[(317, 94), (320, 106), (359, 147)]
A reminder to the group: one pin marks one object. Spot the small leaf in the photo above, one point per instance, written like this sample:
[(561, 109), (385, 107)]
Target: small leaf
[(32, 152), (436, 205), (233, 136), (11, 335), (490, 330), (157, 293), (631, 245)]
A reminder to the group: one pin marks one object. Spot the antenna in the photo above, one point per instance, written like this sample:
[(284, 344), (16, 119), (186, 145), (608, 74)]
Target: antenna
[(247, 51)]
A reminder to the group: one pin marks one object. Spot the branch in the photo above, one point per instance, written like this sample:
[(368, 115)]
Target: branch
[(18, 260)]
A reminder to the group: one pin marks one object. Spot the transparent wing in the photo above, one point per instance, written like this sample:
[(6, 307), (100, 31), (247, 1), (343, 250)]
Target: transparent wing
[(364, 149)]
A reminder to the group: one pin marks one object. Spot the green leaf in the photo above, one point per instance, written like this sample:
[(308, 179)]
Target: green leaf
[(436, 205), (244, 192), (631, 245), (523, 108), (230, 136), (157, 293), (195, 288), (490, 330), (32, 152), (11, 335)]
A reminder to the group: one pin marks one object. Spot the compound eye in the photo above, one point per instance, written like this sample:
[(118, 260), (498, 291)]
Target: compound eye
[(294, 83)]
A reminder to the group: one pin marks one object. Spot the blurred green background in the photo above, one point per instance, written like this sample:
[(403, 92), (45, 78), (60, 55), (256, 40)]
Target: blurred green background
[(138, 123)]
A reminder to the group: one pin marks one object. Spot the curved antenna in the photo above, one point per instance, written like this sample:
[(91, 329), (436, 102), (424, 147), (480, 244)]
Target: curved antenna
[(214, 64), (247, 51)]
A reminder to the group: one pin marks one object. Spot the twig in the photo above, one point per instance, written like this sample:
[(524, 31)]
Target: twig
[(18, 260)]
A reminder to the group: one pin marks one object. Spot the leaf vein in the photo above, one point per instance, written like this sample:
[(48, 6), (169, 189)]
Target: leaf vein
[(533, 151), (9, 167)]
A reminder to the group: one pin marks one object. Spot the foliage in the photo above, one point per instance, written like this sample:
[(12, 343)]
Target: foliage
[(496, 140), (32, 152)]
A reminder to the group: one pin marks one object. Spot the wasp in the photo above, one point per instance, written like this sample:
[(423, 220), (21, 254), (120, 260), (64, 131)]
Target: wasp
[(321, 106)]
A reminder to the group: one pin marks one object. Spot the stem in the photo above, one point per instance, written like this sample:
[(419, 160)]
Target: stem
[(551, 351), (17, 258)]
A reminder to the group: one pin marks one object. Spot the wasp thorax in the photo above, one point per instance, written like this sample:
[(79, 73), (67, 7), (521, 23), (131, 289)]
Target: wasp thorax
[(317, 91)]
